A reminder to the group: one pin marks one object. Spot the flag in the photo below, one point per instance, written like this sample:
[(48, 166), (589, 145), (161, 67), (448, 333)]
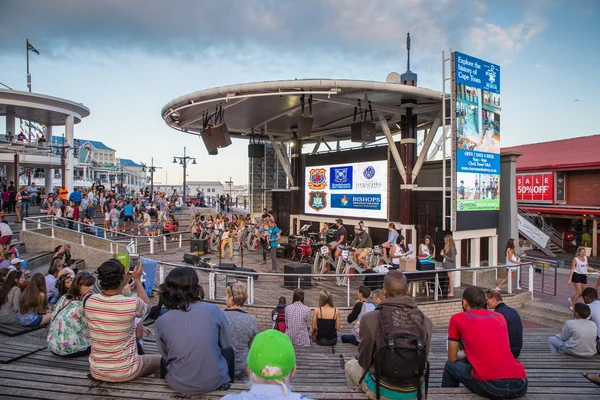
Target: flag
[(31, 48)]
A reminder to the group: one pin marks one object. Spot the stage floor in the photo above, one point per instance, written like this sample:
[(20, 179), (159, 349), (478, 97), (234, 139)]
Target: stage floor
[(268, 289)]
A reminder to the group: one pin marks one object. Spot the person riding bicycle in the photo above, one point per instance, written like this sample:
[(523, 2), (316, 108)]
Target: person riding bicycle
[(361, 245), (391, 240), (339, 242)]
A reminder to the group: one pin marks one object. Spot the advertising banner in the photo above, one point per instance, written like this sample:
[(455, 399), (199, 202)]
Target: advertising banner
[(354, 190), (477, 107), (536, 187)]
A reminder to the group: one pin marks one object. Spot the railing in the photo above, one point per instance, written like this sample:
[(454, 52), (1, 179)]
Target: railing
[(555, 237), (226, 275), (545, 272), (136, 243)]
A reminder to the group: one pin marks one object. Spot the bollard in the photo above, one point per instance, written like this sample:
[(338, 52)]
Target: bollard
[(39, 225), (474, 278), (348, 293), (509, 281), (151, 245), (82, 241), (436, 286), (180, 236), (161, 273), (111, 248), (164, 239), (23, 225), (52, 231)]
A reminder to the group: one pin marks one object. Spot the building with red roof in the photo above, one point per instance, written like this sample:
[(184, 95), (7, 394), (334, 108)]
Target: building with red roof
[(559, 182)]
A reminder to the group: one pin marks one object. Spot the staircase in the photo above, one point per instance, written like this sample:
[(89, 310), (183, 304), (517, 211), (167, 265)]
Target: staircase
[(555, 243), (545, 313)]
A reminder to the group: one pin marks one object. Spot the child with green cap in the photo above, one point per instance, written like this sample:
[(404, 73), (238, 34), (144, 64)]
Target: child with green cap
[(271, 366)]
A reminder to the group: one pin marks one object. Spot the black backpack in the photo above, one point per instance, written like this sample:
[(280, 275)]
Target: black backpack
[(400, 353)]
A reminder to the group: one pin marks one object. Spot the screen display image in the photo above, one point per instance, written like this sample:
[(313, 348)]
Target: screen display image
[(348, 190), (477, 134)]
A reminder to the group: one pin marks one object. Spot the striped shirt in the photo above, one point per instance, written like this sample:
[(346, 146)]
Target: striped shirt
[(111, 322)]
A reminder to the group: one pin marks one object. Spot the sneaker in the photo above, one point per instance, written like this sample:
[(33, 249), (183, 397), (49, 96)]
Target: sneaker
[(571, 308), (570, 300)]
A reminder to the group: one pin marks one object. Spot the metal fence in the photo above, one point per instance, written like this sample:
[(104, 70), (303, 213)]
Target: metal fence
[(544, 274)]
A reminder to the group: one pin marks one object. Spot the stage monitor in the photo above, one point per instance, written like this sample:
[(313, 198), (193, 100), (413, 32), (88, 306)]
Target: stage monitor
[(358, 190)]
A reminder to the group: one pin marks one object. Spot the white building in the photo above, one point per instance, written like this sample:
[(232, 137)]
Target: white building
[(210, 188)]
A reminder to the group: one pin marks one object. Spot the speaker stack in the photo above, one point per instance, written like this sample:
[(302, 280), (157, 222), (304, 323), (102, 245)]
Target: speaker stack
[(256, 150), (363, 131), (199, 245), (291, 282), (209, 141), (221, 135)]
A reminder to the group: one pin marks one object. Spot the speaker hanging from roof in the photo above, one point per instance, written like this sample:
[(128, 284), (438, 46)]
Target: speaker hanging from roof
[(363, 130), (220, 131), (209, 141), (305, 123)]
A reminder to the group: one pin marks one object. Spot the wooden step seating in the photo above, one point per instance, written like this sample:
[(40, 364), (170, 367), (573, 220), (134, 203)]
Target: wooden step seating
[(320, 375), (13, 330), (13, 350)]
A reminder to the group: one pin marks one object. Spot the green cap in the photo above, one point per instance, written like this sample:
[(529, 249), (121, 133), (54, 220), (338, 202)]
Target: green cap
[(274, 349)]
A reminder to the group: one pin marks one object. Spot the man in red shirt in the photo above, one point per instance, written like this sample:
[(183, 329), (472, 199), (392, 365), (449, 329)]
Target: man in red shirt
[(490, 369)]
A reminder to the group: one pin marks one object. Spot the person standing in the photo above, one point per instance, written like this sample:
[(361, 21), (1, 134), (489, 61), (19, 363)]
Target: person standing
[(297, 320), (33, 192), (494, 302), (491, 370), (578, 275), (512, 260), (12, 191), (273, 235), (449, 262)]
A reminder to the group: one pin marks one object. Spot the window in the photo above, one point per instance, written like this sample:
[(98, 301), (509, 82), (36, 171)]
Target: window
[(560, 187)]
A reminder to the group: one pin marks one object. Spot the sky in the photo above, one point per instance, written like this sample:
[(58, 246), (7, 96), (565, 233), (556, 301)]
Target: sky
[(125, 60)]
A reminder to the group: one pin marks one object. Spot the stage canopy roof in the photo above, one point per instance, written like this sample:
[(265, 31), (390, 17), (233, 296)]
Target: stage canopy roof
[(277, 107)]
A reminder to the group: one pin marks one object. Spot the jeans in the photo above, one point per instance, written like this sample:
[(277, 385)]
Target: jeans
[(264, 245), (459, 372), (25, 211), (273, 257), (557, 345), (349, 339)]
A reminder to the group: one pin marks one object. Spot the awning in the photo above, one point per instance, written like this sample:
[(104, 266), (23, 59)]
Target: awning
[(561, 210)]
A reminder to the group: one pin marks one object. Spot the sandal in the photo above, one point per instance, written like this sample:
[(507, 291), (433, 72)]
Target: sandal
[(595, 381), (450, 295)]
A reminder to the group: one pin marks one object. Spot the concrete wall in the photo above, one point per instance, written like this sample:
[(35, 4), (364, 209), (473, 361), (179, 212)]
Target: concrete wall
[(42, 241), (508, 202), (439, 312)]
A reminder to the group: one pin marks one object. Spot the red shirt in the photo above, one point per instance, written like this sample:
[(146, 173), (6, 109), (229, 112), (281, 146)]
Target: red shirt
[(485, 338)]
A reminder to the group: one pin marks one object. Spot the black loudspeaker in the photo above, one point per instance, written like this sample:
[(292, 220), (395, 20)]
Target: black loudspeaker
[(227, 266), (291, 282), (221, 135), (244, 276), (199, 245), (209, 141), (195, 258), (256, 150), (363, 131), (305, 126), (373, 282)]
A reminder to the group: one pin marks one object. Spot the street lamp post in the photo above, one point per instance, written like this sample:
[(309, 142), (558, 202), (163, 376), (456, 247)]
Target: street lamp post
[(62, 150), (152, 169), (184, 161)]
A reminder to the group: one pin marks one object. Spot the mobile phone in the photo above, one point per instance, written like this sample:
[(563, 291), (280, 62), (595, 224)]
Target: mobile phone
[(133, 261)]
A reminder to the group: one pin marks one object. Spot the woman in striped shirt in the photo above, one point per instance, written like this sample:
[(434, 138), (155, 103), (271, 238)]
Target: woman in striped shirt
[(111, 322)]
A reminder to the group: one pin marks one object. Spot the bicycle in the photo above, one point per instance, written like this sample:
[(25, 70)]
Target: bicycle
[(345, 265), (377, 257)]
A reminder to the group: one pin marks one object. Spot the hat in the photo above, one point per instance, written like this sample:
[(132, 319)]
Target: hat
[(65, 271), (274, 349), (16, 261), (339, 221), (358, 227)]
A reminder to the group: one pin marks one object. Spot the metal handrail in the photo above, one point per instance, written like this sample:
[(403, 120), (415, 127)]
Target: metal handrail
[(556, 237)]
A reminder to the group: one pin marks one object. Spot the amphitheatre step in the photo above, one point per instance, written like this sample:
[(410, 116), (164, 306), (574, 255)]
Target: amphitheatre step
[(545, 313)]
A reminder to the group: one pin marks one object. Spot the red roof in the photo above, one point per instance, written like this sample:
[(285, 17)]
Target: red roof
[(567, 153)]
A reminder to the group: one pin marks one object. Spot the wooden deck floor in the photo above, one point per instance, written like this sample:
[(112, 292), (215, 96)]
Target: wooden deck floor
[(42, 375)]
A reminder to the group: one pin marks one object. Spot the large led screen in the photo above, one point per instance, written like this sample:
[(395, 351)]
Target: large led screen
[(477, 102), (347, 190)]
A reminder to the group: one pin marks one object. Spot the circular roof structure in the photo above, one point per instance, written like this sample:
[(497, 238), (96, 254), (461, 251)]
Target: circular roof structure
[(276, 107), (47, 110)]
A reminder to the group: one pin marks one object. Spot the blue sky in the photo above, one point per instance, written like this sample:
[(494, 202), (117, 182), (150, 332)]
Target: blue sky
[(126, 59)]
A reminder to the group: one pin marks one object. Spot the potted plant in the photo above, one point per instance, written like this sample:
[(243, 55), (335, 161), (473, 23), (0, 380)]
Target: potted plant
[(586, 241)]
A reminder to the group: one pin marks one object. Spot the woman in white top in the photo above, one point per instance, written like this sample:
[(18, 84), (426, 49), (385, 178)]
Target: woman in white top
[(578, 275), (398, 251), (511, 259), (427, 248)]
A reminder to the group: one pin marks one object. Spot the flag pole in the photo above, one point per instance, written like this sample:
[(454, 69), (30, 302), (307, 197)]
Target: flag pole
[(28, 74)]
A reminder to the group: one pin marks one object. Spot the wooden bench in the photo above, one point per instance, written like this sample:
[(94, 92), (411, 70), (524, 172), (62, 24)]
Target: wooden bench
[(320, 375)]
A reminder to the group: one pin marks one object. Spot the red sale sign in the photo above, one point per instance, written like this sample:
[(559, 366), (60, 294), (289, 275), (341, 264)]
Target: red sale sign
[(536, 187)]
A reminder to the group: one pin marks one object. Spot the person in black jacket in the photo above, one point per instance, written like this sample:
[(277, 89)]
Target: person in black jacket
[(513, 320)]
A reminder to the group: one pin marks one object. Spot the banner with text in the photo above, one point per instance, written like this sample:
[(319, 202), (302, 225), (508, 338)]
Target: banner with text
[(477, 119), (537, 187)]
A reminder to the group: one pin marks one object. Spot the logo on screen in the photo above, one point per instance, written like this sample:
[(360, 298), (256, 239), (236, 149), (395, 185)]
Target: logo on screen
[(345, 200), (341, 178), (317, 179), (340, 175), (317, 200), (369, 172)]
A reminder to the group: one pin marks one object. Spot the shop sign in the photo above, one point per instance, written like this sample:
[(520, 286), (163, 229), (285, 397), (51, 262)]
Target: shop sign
[(535, 187)]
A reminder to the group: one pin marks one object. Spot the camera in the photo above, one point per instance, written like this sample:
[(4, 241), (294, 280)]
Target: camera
[(134, 259)]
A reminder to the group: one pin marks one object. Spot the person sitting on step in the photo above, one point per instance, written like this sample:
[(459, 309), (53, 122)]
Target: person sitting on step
[(578, 336)]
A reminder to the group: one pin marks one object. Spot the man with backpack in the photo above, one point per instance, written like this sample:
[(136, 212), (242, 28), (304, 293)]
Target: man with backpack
[(491, 371), (385, 371)]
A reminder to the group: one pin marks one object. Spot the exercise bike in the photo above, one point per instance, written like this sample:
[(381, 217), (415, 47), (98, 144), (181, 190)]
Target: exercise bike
[(377, 257), (323, 262), (346, 265)]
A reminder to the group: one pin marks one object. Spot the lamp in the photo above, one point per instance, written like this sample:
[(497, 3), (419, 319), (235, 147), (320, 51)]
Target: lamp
[(194, 161), (174, 161), (180, 162)]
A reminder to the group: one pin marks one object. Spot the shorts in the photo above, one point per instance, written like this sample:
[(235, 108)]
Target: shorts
[(362, 252), (114, 223), (128, 218), (36, 322), (6, 239), (579, 278), (153, 227), (106, 217)]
